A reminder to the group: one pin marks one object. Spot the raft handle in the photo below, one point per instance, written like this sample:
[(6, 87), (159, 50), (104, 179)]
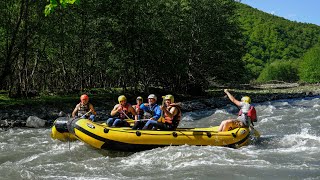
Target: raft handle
[(209, 134), (106, 130), (174, 134), (235, 134), (138, 133)]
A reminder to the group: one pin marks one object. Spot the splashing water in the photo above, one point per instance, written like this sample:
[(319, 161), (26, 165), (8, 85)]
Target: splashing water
[(289, 148)]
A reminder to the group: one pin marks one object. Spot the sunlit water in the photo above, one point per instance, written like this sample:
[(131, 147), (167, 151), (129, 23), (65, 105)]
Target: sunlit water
[(289, 148)]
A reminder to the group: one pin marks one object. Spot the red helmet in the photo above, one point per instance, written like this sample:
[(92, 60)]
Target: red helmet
[(84, 97)]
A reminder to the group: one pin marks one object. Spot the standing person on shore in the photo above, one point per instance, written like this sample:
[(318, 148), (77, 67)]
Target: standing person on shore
[(247, 114), (120, 112), (84, 109)]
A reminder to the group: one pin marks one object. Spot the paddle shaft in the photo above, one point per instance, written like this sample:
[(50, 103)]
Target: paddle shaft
[(125, 114)]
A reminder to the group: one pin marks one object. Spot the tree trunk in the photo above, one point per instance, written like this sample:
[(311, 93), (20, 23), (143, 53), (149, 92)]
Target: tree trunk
[(7, 72)]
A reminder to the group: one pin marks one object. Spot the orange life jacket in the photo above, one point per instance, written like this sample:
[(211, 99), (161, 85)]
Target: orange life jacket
[(175, 119)]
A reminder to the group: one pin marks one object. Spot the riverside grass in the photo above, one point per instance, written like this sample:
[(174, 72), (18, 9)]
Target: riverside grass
[(108, 98)]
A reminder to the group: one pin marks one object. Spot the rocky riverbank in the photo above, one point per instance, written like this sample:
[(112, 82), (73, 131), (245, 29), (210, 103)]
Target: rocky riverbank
[(43, 116)]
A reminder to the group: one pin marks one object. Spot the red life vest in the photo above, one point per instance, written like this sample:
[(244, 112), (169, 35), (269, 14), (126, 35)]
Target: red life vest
[(138, 110), (125, 110), (252, 114)]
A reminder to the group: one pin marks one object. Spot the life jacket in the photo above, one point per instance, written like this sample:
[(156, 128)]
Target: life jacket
[(138, 110), (83, 109), (252, 114), (175, 120), (125, 110)]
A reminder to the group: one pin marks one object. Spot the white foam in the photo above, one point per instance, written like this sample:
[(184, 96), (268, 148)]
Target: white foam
[(221, 111), (187, 118)]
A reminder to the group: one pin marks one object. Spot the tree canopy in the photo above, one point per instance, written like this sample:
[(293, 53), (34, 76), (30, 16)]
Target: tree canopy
[(310, 65), (179, 46)]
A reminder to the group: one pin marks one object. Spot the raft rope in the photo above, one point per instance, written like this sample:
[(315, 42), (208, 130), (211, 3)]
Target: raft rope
[(69, 135)]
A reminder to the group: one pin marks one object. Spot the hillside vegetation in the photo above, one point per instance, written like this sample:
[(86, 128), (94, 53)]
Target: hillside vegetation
[(174, 45), (275, 44)]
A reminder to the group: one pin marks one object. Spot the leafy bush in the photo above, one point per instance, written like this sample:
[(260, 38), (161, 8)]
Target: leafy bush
[(309, 70), (286, 71)]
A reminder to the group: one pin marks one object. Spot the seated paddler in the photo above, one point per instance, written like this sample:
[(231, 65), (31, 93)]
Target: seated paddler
[(84, 109), (136, 107), (171, 115), (246, 115), (120, 113), (151, 111)]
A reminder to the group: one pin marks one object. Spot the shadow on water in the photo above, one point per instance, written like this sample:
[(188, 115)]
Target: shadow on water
[(114, 154), (268, 142)]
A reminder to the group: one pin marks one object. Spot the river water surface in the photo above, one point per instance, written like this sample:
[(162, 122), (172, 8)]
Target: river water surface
[(289, 148)]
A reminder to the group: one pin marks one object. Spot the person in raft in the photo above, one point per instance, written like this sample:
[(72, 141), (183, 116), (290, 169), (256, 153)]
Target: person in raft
[(120, 112), (136, 107), (151, 111), (84, 109), (246, 115), (171, 113)]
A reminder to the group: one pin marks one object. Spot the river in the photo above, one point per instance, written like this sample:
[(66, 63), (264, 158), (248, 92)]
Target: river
[(289, 148)]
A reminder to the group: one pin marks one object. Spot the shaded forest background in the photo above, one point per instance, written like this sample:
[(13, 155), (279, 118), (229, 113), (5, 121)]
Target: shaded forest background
[(181, 46)]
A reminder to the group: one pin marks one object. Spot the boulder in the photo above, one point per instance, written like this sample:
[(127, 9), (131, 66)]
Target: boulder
[(4, 123), (62, 114), (35, 122)]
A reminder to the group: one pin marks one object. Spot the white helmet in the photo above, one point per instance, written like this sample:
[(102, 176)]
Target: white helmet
[(152, 96)]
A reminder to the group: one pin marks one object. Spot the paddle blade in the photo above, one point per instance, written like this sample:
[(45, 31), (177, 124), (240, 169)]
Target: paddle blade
[(161, 119)]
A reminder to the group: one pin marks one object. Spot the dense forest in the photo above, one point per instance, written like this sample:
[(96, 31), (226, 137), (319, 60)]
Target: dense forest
[(179, 45)]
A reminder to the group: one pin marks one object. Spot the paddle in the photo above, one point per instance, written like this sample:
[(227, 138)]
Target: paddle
[(132, 120), (161, 119), (125, 114), (87, 113)]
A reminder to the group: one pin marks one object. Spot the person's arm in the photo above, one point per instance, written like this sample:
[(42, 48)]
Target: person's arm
[(133, 112), (92, 109), (170, 113), (173, 111), (157, 113), (144, 107), (75, 111), (134, 108), (232, 99), (114, 111)]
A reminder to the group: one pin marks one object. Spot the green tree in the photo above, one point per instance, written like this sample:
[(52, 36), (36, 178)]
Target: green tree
[(286, 71), (53, 4), (309, 70)]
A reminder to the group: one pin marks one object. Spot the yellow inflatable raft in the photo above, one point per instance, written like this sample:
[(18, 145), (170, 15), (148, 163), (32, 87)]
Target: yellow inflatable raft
[(125, 139)]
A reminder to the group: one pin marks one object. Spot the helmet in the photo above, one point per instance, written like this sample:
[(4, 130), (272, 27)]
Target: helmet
[(122, 98), (246, 99), (84, 97), (152, 96), (139, 98), (169, 96)]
